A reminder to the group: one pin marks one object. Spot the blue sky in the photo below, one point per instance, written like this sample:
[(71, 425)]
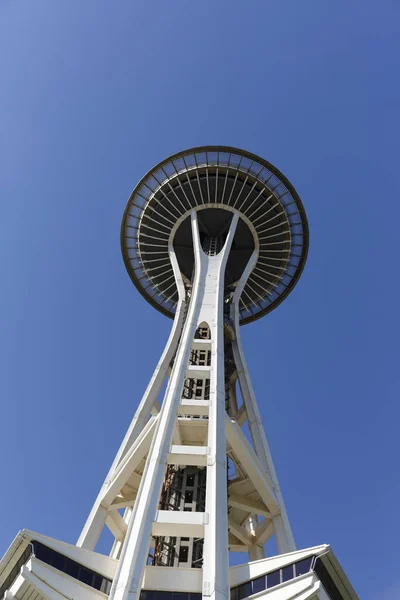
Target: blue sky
[(93, 94)]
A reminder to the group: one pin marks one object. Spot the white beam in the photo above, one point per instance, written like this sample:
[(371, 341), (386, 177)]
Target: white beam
[(174, 579), (238, 548), (155, 409), (240, 532), (248, 505), (179, 523), (117, 545), (198, 372), (194, 407), (263, 532), (96, 519), (131, 460), (123, 501), (215, 550), (116, 524), (134, 481), (188, 455), (283, 532), (238, 484), (241, 415), (176, 435), (251, 465), (127, 581)]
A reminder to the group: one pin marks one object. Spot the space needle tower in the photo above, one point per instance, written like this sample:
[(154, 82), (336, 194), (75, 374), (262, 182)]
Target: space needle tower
[(214, 238)]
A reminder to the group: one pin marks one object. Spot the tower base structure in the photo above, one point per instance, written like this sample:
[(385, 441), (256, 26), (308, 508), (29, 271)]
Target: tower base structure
[(38, 567), (214, 238)]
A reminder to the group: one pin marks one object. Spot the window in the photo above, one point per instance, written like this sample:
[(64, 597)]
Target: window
[(245, 590), (163, 595), (58, 561), (234, 594), (203, 332), (259, 584), (190, 480), (183, 554), (287, 573), (188, 389), (303, 566), (188, 496), (273, 579), (86, 576), (199, 388), (70, 567)]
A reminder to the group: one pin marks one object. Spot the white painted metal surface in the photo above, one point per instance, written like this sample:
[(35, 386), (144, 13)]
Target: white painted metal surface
[(198, 432), (157, 440)]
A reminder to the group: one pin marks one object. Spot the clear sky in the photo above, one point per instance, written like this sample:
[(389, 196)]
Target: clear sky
[(93, 94)]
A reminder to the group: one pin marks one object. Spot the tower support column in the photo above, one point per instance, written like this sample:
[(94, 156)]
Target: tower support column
[(206, 304), (216, 555), (283, 532), (95, 522)]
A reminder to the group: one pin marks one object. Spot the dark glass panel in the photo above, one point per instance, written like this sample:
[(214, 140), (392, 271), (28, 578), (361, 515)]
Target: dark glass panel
[(287, 573), (183, 553), (234, 594), (43, 553), (97, 581), (303, 566), (72, 569), (273, 578), (58, 561), (244, 590), (190, 480), (259, 584), (86, 576), (188, 496)]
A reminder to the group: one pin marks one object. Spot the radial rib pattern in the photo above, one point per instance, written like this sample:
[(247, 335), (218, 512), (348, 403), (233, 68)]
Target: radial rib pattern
[(224, 178)]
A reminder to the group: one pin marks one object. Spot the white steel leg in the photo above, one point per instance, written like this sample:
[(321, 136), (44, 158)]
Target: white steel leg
[(129, 573), (215, 553), (96, 519), (283, 532)]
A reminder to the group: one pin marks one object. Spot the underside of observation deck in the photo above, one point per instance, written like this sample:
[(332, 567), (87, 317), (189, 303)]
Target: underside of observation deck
[(217, 182)]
